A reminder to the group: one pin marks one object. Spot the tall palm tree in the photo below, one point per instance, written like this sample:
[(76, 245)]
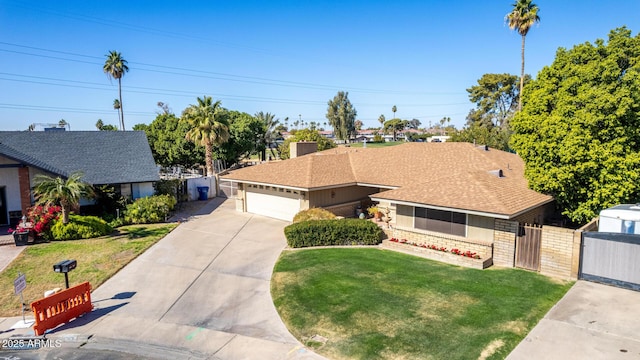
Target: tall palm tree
[(115, 67), (523, 16), (116, 107), (381, 119), (394, 109), (207, 127), (270, 133), (57, 191)]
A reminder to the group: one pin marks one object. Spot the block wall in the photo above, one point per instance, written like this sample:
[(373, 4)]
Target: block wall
[(504, 242), (558, 252)]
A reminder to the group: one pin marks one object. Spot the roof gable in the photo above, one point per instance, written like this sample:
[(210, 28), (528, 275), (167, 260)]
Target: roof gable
[(104, 157)]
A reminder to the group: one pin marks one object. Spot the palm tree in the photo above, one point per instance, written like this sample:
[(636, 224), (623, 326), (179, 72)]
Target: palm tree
[(115, 67), (270, 132), (99, 124), (394, 109), (63, 123), (523, 16), (207, 127), (381, 119), (116, 107), (57, 191)]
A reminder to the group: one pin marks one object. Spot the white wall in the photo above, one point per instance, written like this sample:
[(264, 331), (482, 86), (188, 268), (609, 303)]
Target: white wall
[(9, 179), (193, 183)]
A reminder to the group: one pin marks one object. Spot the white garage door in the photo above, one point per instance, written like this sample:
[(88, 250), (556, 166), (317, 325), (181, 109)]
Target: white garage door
[(276, 204)]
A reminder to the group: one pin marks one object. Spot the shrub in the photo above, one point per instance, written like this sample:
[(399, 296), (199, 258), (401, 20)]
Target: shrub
[(150, 209), (332, 232), (313, 214), (42, 218), (80, 227)]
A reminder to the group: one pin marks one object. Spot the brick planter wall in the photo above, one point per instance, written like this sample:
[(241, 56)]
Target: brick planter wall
[(438, 255), (481, 248)]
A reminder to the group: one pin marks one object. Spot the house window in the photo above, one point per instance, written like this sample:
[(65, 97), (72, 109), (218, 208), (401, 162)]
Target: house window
[(442, 221)]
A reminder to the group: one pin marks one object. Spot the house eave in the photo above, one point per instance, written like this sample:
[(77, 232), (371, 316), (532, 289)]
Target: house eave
[(436, 207)]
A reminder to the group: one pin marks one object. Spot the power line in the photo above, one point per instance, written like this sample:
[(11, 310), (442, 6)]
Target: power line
[(215, 75)]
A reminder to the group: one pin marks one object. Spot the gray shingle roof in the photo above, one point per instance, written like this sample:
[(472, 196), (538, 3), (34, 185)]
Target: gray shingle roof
[(105, 157)]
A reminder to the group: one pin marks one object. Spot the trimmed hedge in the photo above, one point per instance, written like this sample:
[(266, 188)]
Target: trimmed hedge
[(333, 232), (313, 214), (80, 227)]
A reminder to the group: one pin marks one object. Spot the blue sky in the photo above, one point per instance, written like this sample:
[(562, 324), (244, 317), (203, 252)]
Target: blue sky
[(284, 57)]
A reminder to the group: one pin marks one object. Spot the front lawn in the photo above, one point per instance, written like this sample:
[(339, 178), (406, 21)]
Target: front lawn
[(98, 259), (376, 304)]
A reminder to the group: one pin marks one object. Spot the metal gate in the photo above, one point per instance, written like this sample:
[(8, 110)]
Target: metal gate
[(611, 258), (228, 189), (528, 247)]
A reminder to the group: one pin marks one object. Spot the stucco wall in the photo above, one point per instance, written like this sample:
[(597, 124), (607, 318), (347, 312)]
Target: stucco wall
[(404, 216), (478, 227), (330, 197), (9, 180)]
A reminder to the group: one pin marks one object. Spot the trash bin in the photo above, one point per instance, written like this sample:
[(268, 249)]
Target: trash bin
[(203, 192)]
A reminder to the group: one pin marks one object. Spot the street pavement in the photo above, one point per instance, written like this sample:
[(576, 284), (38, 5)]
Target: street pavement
[(202, 292)]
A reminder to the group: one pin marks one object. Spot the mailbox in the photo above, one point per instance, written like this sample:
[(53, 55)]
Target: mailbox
[(65, 266)]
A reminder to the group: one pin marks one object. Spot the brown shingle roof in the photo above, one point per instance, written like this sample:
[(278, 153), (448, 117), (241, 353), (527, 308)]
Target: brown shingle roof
[(451, 175)]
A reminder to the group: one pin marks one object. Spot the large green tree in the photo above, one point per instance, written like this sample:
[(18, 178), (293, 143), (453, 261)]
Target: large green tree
[(246, 136), (523, 16), (115, 67), (342, 115), (306, 135), (64, 192), (496, 98), (206, 127), (169, 146), (578, 132)]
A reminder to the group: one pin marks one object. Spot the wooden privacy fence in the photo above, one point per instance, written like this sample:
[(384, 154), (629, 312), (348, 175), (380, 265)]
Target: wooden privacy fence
[(61, 307), (528, 244)]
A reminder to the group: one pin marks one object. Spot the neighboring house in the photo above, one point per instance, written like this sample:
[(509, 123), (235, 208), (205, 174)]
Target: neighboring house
[(119, 158), (451, 190)]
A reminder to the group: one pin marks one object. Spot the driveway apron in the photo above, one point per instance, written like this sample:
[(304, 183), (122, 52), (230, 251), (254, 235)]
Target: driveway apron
[(201, 292), (592, 321)]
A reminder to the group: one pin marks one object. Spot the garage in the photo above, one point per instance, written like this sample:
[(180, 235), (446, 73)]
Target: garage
[(273, 202)]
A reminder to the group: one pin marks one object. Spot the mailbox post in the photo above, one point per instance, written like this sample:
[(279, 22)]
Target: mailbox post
[(64, 267)]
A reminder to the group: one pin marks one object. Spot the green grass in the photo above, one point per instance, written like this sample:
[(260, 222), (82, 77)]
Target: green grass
[(374, 304), (98, 259), (377, 145)]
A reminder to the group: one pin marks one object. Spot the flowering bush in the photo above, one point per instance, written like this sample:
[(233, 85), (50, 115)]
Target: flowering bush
[(42, 218), (454, 251)]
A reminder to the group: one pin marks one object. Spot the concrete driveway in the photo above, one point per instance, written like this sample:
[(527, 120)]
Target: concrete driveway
[(201, 292), (592, 321)]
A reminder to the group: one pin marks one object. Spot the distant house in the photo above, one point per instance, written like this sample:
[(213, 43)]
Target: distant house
[(119, 158)]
